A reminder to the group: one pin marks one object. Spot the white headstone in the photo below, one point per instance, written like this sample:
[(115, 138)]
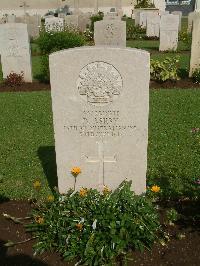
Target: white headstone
[(153, 25), (72, 21), (110, 32), (83, 21), (11, 18), (160, 4), (143, 16), (190, 21), (169, 32), (195, 49), (100, 114), (179, 13), (15, 50), (54, 24), (197, 5)]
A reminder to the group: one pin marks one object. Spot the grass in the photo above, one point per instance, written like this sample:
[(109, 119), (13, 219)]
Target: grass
[(27, 143)]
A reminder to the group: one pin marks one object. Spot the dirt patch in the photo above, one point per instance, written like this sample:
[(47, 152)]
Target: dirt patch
[(37, 86), (184, 252), (26, 87)]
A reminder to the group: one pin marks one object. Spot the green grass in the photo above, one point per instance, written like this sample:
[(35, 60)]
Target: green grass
[(27, 144)]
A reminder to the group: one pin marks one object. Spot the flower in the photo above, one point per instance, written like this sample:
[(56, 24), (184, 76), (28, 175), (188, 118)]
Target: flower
[(79, 227), (83, 192), (76, 171), (197, 181), (39, 220), (106, 190), (50, 198), (155, 189), (37, 184)]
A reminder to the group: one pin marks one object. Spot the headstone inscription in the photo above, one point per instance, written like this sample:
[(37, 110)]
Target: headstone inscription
[(110, 32), (195, 49), (101, 116), (15, 50), (169, 32)]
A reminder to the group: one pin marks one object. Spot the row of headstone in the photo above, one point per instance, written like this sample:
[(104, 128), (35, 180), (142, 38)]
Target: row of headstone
[(80, 22), (15, 50), (33, 23)]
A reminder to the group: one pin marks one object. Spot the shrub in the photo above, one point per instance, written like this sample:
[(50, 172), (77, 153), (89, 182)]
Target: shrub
[(14, 79), (185, 37), (196, 75), (95, 227), (95, 18), (53, 41), (165, 70), (144, 4), (134, 32)]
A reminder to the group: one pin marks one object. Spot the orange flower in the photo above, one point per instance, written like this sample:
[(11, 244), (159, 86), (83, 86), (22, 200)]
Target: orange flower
[(155, 189), (50, 198), (37, 184), (39, 220), (79, 227), (83, 192), (76, 171), (106, 190)]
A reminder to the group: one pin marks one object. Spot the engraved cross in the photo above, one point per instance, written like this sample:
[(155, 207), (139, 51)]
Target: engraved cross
[(101, 159)]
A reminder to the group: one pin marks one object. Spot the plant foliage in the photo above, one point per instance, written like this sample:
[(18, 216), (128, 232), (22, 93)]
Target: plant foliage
[(144, 4), (165, 70), (14, 79), (96, 227)]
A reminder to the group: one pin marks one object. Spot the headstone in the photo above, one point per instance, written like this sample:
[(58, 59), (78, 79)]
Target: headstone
[(197, 5), (96, 6), (72, 21), (143, 16), (195, 49), (83, 21), (153, 25), (160, 4), (119, 8), (76, 8), (54, 24), (169, 32), (15, 50), (110, 33), (100, 116), (110, 16), (179, 13), (190, 21), (33, 23), (11, 18)]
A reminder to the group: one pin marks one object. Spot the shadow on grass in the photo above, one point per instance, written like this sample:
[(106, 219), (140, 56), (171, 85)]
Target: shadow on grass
[(47, 156), (17, 260)]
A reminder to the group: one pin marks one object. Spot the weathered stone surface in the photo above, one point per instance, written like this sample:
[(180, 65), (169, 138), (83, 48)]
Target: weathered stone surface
[(179, 13), (100, 113), (11, 18), (15, 50), (54, 24), (111, 32), (153, 25), (190, 21), (169, 32), (195, 49), (71, 21)]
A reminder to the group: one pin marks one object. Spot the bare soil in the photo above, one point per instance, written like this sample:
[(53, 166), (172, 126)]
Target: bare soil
[(177, 252), (37, 86)]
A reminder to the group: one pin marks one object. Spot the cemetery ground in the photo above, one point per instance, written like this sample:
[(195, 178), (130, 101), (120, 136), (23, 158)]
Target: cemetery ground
[(28, 154)]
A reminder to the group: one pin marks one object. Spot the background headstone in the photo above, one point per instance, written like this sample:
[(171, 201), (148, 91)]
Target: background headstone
[(110, 32), (195, 49), (179, 13), (153, 25), (169, 32), (72, 21), (54, 24), (100, 116), (15, 50), (190, 21)]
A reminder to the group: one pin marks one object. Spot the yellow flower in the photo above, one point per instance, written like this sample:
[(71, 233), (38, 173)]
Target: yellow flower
[(39, 220), (76, 171), (155, 189), (83, 192), (79, 227), (50, 198), (106, 190), (37, 184)]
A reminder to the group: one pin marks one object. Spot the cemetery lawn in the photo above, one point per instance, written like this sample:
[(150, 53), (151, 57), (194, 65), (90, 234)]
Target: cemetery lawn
[(27, 142)]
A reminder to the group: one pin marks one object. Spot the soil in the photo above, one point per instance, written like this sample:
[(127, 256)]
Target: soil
[(37, 86), (177, 252)]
